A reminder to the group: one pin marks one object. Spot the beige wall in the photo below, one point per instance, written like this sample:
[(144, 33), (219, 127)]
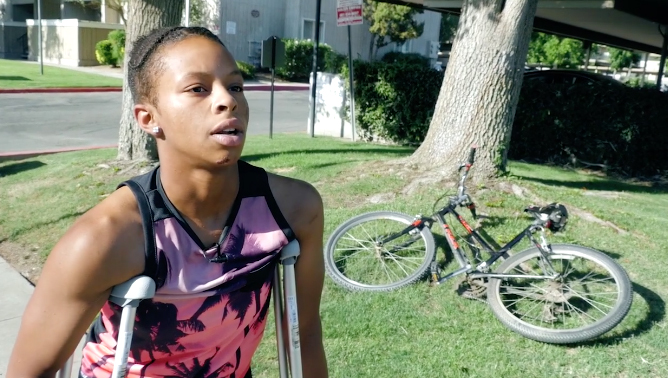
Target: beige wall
[(88, 37), (68, 42)]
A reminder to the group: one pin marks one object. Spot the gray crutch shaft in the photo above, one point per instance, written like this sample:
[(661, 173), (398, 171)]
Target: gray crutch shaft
[(278, 315), (289, 255), (128, 295)]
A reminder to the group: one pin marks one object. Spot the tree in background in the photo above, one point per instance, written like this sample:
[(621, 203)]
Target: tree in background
[(203, 13), (478, 97), (555, 51), (143, 16), (622, 59), (390, 23), (448, 28)]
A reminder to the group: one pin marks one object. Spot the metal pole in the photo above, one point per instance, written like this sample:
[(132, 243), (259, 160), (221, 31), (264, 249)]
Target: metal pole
[(187, 12), (662, 62), (644, 67), (315, 65), (588, 45), (273, 73), (39, 37), (352, 87)]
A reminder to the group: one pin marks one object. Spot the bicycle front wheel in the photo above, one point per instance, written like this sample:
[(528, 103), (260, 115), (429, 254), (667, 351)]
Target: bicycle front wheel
[(376, 252), (589, 297)]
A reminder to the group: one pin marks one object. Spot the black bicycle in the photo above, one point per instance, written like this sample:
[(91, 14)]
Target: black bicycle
[(554, 293)]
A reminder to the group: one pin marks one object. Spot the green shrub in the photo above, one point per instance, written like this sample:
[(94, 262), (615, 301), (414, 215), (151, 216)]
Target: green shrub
[(394, 101), (334, 62), (299, 60), (638, 82), (409, 58), (117, 38), (104, 52), (247, 70), (620, 127)]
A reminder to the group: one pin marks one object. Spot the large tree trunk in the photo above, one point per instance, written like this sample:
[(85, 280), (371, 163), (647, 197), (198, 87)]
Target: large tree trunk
[(478, 98), (143, 16)]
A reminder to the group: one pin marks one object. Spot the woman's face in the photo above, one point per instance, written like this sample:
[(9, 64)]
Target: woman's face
[(200, 103)]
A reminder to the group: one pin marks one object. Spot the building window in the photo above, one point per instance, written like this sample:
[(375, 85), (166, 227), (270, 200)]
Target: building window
[(405, 47), (308, 29)]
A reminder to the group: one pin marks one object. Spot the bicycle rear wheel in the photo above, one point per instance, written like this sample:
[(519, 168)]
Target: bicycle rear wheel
[(357, 259), (591, 295)]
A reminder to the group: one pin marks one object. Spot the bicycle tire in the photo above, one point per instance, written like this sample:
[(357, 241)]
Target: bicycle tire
[(604, 270), (375, 260)]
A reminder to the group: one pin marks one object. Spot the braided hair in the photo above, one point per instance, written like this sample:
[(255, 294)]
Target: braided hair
[(145, 61)]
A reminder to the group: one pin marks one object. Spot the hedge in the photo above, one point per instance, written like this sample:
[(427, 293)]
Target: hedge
[(622, 128), (395, 101)]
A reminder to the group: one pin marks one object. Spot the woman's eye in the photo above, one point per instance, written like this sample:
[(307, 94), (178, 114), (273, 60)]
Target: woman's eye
[(198, 89), (237, 88)]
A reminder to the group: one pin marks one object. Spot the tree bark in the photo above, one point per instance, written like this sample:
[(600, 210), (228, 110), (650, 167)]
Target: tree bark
[(477, 101), (143, 16)]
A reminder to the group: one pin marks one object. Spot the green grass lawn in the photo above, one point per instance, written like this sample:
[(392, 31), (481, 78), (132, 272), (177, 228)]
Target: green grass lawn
[(418, 331), (22, 75)]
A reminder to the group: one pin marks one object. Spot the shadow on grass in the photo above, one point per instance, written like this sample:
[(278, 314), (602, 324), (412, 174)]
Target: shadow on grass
[(656, 313), (388, 151), (23, 230), (14, 78), (602, 185), (614, 255), (14, 168)]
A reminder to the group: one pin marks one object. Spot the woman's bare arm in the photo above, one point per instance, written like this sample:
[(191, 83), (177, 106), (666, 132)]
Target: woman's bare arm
[(102, 249)]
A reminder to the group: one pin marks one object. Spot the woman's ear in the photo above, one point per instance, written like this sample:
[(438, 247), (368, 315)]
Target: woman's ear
[(144, 116)]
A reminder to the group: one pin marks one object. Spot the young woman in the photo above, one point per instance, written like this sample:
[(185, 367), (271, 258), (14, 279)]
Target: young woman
[(215, 227)]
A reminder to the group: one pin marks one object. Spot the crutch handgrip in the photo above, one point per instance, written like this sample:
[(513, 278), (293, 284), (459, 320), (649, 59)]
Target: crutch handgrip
[(289, 253), (128, 295), (135, 289)]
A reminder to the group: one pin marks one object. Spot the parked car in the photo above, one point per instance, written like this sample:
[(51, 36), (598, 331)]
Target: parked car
[(570, 76)]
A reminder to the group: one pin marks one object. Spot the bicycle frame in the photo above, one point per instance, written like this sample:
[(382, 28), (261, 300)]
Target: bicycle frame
[(481, 270), (465, 267)]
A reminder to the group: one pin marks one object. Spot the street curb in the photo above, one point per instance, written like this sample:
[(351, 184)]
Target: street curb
[(4, 156), (62, 90), (248, 87)]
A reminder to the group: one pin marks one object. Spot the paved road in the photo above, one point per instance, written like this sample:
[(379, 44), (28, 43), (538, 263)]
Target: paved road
[(35, 122)]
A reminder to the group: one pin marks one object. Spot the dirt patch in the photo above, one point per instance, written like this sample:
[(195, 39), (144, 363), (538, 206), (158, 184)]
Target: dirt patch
[(26, 261), (585, 215)]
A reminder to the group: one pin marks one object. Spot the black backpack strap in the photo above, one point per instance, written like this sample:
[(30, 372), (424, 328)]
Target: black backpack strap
[(150, 253)]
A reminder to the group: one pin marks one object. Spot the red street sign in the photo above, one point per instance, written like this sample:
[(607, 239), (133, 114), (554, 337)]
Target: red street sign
[(351, 15)]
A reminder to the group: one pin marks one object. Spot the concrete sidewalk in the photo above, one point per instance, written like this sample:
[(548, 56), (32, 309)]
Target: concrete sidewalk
[(15, 291)]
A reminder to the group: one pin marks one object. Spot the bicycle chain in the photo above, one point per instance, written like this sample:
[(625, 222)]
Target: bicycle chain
[(474, 289)]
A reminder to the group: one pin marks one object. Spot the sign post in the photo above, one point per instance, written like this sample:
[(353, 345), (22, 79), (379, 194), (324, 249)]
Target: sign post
[(39, 37), (349, 12), (273, 55)]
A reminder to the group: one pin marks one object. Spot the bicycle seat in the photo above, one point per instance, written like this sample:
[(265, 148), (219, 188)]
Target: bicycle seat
[(554, 216)]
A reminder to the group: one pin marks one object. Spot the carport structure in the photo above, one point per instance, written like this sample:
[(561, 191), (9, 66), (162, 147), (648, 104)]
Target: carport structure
[(629, 24)]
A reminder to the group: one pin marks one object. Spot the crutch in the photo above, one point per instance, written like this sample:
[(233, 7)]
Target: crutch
[(288, 258), (127, 295)]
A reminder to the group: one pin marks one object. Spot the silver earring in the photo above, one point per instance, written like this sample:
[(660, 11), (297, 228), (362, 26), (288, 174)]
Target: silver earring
[(156, 130)]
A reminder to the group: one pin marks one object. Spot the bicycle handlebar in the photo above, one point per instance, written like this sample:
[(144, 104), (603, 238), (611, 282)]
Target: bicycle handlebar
[(472, 155), (462, 198)]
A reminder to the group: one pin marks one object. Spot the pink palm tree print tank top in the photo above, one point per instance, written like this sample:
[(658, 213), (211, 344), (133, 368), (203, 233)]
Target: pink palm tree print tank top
[(211, 303)]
